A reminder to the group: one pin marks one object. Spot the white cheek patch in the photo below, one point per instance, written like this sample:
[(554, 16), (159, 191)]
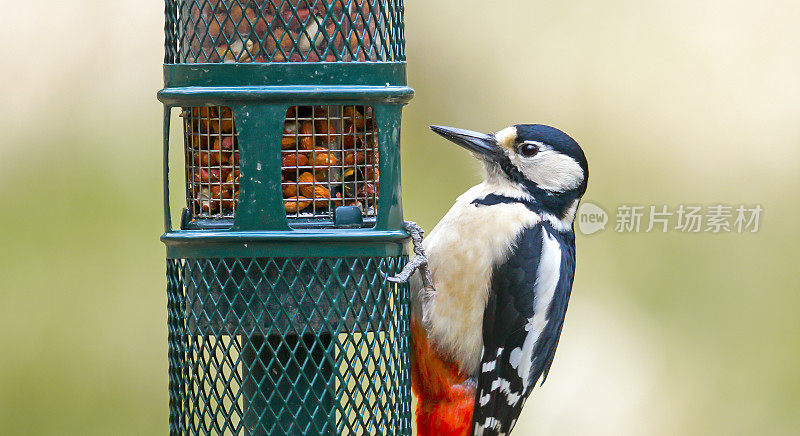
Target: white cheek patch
[(550, 170)]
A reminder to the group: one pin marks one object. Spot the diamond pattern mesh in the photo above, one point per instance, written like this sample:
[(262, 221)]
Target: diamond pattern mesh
[(213, 31), (287, 346)]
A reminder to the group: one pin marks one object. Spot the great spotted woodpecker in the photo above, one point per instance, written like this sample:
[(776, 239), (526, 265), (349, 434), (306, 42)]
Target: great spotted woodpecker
[(500, 266)]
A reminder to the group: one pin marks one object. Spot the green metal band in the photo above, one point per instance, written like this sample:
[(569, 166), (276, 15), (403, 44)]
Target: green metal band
[(320, 243), (260, 113), (285, 74), (297, 94), (317, 235)]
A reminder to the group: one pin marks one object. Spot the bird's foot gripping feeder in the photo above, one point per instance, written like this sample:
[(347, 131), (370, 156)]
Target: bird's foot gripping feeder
[(281, 319), (420, 260)]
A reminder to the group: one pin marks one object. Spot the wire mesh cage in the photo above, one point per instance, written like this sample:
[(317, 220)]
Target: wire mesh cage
[(329, 158), (213, 31), (212, 161), (287, 346)]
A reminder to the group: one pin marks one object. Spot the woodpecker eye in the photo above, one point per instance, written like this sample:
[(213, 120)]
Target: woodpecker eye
[(527, 149)]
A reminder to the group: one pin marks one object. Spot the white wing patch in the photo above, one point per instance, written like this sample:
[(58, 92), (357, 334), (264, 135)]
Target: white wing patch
[(547, 277), (512, 398), (490, 424)]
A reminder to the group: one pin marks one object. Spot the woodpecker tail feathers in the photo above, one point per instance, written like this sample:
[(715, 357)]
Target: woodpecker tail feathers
[(446, 396)]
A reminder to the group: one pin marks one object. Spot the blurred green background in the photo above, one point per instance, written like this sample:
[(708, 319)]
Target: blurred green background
[(674, 102)]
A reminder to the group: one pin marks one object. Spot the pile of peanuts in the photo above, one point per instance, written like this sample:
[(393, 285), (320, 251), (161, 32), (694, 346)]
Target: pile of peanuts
[(325, 165), (280, 31), (212, 157), (329, 158)]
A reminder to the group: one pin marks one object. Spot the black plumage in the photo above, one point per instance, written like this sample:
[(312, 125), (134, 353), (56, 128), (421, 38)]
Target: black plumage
[(511, 304)]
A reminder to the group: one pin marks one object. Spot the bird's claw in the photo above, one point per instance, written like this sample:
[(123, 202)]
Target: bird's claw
[(420, 261), (408, 270)]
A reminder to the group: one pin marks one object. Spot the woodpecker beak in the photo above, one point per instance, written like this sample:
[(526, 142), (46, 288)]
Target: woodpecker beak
[(478, 143)]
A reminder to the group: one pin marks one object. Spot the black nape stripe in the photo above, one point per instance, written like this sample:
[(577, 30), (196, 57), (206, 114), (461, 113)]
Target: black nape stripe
[(553, 206), (495, 199)]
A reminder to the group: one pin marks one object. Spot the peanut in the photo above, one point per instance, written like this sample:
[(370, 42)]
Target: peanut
[(218, 174), (206, 158), (306, 132), (352, 158), (203, 115), (305, 178), (355, 117), (201, 176), (225, 144), (233, 177), (291, 161), (288, 141), (315, 191), (218, 192), (349, 138), (228, 158), (323, 127), (284, 39), (306, 143), (199, 141), (227, 56), (294, 22), (225, 123), (324, 158), (289, 190), (292, 25), (228, 205), (371, 173), (296, 204), (261, 27)]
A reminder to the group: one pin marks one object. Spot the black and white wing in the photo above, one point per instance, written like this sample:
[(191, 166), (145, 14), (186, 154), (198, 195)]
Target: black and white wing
[(521, 325)]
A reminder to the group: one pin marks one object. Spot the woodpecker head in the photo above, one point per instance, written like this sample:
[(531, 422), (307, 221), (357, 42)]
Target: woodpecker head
[(543, 161)]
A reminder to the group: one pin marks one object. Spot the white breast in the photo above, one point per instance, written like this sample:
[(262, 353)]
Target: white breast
[(463, 249)]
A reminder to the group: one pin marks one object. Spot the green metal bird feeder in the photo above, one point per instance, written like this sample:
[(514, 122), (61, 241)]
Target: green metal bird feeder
[(281, 320)]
